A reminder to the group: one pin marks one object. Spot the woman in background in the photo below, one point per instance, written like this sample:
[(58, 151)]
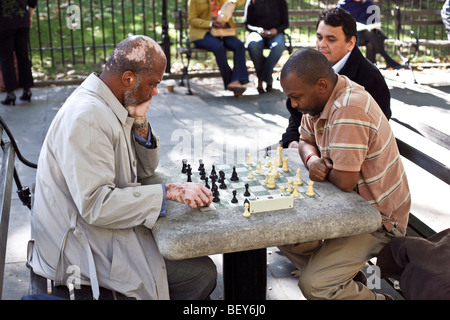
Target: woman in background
[(202, 17), (266, 20)]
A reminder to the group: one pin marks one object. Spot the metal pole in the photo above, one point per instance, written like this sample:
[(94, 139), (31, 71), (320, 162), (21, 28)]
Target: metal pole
[(165, 35)]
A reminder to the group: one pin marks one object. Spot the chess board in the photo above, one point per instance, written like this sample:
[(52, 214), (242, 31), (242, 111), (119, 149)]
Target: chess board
[(257, 187)]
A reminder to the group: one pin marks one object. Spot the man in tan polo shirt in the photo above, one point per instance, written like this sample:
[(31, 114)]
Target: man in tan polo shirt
[(346, 139)]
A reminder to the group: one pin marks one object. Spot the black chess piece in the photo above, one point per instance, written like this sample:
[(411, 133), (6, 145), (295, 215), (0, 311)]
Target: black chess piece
[(183, 169), (206, 183), (213, 174), (234, 176), (246, 193), (221, 176), (189, 173), (222, 180), (201, 165), (202, 174), (216, 196), (234, 200)]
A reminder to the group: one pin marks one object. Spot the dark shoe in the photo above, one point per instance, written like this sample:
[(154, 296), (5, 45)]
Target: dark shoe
[(260, 90), (237, 89), (10, 98), (26, 95), (269, 88)]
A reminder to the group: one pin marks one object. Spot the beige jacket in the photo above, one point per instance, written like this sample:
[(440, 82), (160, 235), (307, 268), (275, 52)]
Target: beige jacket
[(90, 215), (200, 17)]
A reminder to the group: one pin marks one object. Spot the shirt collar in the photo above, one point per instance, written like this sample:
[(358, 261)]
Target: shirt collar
[(94, 84), (340, 64)]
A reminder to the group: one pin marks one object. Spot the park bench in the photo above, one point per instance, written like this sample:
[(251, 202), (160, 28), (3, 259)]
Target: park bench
[(407, 41), (297, 18), (41, 285)]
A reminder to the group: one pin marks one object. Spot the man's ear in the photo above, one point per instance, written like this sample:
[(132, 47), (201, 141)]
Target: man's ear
[(321, 85), (128, 79), (351, 43)]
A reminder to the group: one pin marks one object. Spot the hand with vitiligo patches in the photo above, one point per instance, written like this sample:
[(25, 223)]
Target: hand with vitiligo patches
[(195, 195)]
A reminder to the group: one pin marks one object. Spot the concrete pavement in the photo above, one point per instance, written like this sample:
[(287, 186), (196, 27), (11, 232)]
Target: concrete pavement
[(211, 121)]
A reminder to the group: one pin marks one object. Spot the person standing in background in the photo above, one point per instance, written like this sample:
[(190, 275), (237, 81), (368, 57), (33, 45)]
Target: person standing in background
[(15, 24), (266, 20)]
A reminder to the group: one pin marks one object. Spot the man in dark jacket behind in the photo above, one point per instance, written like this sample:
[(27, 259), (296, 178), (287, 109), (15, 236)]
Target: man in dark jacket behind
[(336, 39)]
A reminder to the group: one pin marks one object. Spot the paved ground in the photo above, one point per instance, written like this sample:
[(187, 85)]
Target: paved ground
[(212, 120)]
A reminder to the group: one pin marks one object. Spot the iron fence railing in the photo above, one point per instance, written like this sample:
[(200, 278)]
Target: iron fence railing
[(85, 31)]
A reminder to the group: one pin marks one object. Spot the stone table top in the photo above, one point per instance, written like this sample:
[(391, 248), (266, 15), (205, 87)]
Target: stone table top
[(187, 233)]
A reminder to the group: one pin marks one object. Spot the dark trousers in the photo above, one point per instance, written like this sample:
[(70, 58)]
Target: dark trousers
[(219, 47), (374, 42), (15, 40)]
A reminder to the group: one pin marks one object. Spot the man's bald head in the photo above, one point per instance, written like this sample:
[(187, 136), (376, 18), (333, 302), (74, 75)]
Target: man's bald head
[(309, 65), (138, 54)]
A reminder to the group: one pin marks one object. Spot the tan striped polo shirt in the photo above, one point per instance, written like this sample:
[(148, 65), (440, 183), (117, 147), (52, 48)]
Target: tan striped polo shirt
[(353, 132)]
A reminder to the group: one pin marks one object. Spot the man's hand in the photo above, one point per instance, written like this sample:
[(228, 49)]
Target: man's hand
[(293, 144), (319, 168), (138, 112), (195, 195)]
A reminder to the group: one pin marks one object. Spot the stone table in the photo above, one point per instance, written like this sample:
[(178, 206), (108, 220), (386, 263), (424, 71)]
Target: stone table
[(187, 233)]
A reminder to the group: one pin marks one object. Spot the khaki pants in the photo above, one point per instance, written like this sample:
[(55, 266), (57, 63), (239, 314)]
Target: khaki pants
[(328, 267)]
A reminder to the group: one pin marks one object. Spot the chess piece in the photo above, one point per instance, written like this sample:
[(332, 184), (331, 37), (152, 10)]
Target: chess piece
[(299, 179), (274, 169), (282, 189), (183, 169), (289, 189), (234, 176), (222, 180), (216, 196), (271, 182), (310, 191), (246, 212), (258, 167), (266, 181), (249, 160), (206, 183), (234, 200), (202, 174), (285, 165), (189, 173), (280, 161), (246, 193), (200, 165), (250, 175), (295, 194), (213, 172), (267, 162)]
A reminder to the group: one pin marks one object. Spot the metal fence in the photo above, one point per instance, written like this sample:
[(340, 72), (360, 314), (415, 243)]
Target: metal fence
[(85, 31)]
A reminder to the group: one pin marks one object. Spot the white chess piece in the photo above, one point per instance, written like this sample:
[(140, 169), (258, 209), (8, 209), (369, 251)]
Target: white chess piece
[(250, 175), (289, 189), (246, 212), (258, 167), (285, 165), (310, 191), (295, 194), (249, 160)]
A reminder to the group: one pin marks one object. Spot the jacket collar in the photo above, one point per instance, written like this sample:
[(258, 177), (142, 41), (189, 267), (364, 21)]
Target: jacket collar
[(94, 84), (351, 67)]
